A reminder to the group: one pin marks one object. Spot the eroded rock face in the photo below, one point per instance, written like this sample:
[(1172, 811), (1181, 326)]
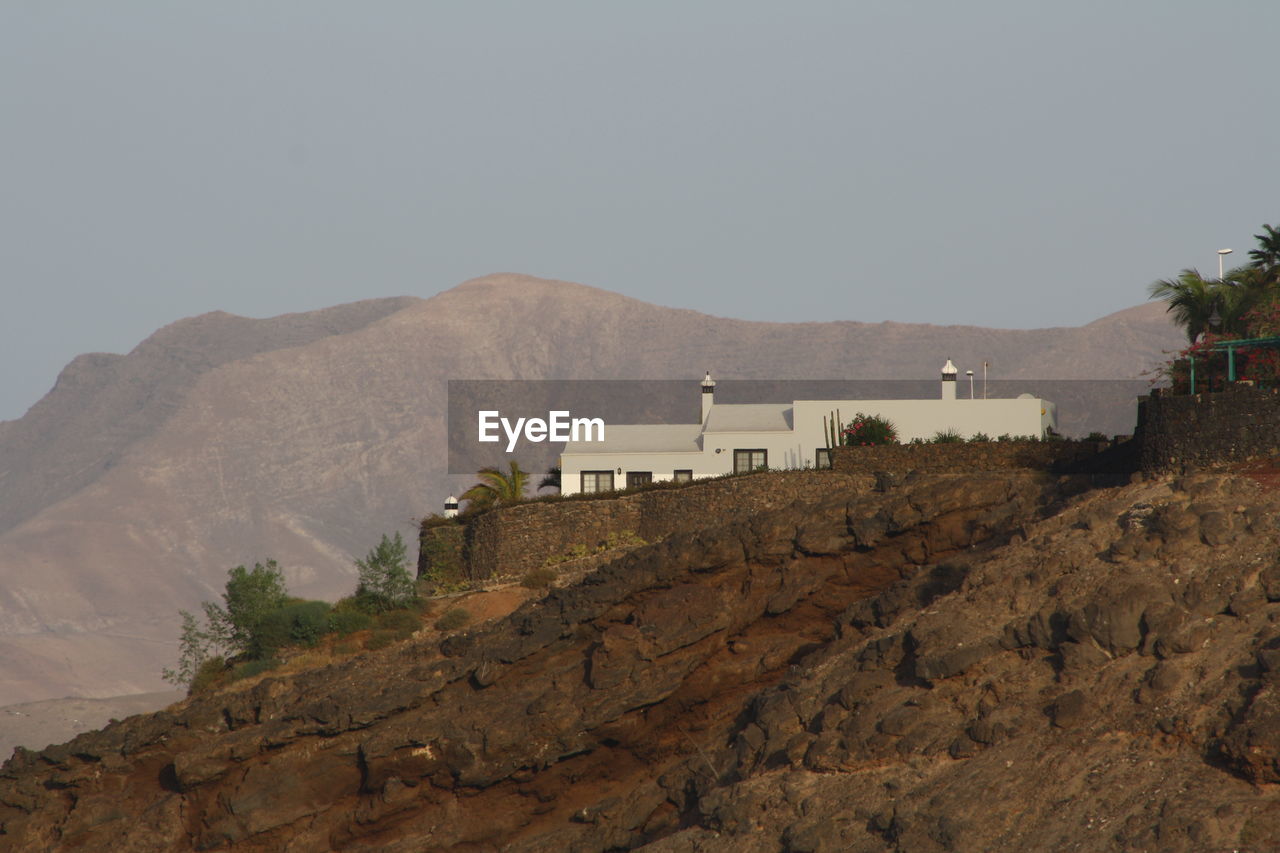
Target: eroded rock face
[(952, 663)]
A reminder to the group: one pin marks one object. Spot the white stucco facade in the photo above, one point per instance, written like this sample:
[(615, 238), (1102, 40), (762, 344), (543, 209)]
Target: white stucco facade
[(779, 435)]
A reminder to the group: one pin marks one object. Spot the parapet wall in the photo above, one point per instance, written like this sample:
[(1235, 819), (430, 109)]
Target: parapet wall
[(1208, 429)]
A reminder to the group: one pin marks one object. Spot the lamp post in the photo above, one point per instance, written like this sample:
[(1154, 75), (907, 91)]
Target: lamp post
[(969, 373), (1222, 253)]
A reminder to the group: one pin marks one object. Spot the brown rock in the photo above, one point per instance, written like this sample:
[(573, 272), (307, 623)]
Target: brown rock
[(1069, 710)]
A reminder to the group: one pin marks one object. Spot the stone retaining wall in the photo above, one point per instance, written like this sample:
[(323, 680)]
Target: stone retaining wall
[(510, 541), (1208, 429)]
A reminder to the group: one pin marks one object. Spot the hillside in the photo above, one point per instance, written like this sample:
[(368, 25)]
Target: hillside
[(950, 663), (128, 492)]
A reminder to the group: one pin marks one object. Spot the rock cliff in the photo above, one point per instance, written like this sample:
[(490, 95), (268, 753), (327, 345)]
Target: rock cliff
[(998, 661)]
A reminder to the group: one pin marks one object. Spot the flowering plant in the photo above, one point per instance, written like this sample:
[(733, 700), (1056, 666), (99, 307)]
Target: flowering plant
[(867, 430)]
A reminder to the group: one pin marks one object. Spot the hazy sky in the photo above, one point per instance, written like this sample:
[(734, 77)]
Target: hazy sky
[(1012, 164)]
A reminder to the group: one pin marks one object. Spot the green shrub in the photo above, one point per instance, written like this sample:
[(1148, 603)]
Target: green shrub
[(380, 640), (298, 623), (211, 674), (979, 436), (452, 619), (538, 578), (869, 430), (250, 668), (402, 623), (947, 436), (622, 539), (348, 620), (1096, 436)]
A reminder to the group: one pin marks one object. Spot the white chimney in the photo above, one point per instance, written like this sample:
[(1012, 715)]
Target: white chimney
[(708, 395), (450, 507), (949, 380)]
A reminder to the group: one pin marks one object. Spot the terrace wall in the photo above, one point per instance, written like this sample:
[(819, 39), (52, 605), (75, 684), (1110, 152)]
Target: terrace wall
[(1205, 430)]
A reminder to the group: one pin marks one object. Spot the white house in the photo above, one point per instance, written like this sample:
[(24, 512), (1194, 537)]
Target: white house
[(739, 437)]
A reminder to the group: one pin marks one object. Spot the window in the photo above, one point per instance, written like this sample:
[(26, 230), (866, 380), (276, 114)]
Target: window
[(683, 475), (639, 478), (749, 460), (597, 481), (822, 457)]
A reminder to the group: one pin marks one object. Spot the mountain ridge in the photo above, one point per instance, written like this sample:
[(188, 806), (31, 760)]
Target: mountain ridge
[(223, 443)]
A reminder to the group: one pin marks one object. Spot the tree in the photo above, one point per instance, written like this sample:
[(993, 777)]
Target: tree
[(249, 597), (1266, 258), (495, 487), (1193, 300), (551, 480), (385, 582), (232, 627), (195, 646)]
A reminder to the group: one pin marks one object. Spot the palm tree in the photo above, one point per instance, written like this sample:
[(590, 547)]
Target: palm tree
[(495, 487), (1192, 300), (551, 480), (1267, 256)]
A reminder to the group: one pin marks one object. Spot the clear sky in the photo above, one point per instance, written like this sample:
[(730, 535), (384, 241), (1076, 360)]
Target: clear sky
[(1014, 164)]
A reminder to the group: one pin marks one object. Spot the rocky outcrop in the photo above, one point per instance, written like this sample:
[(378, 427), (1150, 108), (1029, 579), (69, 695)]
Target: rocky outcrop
[(951, 663)]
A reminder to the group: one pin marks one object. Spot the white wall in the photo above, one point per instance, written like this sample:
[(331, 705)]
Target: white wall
[(796, 448), (662, 465), (924, 418)]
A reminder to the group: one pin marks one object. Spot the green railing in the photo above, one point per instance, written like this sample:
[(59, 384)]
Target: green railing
[(1230, 347)]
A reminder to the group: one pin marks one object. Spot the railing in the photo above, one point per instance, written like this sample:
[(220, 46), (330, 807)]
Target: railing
[(1230, 347)]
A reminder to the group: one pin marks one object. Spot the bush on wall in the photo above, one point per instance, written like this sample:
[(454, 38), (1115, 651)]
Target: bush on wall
[(868, 431)]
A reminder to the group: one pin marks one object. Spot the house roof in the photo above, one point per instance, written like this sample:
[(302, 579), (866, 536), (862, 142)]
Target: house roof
[(641, 438), (750, 417)]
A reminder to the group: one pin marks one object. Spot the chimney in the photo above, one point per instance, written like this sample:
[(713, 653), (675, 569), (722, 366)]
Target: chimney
[(451, 507), (949, 380), (708, 395)]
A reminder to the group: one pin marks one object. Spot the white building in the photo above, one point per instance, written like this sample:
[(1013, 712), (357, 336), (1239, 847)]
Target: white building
[(738, 437)]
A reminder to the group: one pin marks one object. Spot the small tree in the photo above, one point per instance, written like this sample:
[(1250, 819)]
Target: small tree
[(385, 582), (496, 487), (195, 646), (250, 596), (551, 480)]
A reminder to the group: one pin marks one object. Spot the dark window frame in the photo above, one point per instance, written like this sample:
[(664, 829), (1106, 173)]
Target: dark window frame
[(687, 475), (823, 459), (750, 456), (643, 478), (582, 481)]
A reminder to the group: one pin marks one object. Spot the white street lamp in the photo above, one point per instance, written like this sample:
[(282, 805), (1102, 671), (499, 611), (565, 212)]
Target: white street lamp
[(1222, 253), (969, 373)]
